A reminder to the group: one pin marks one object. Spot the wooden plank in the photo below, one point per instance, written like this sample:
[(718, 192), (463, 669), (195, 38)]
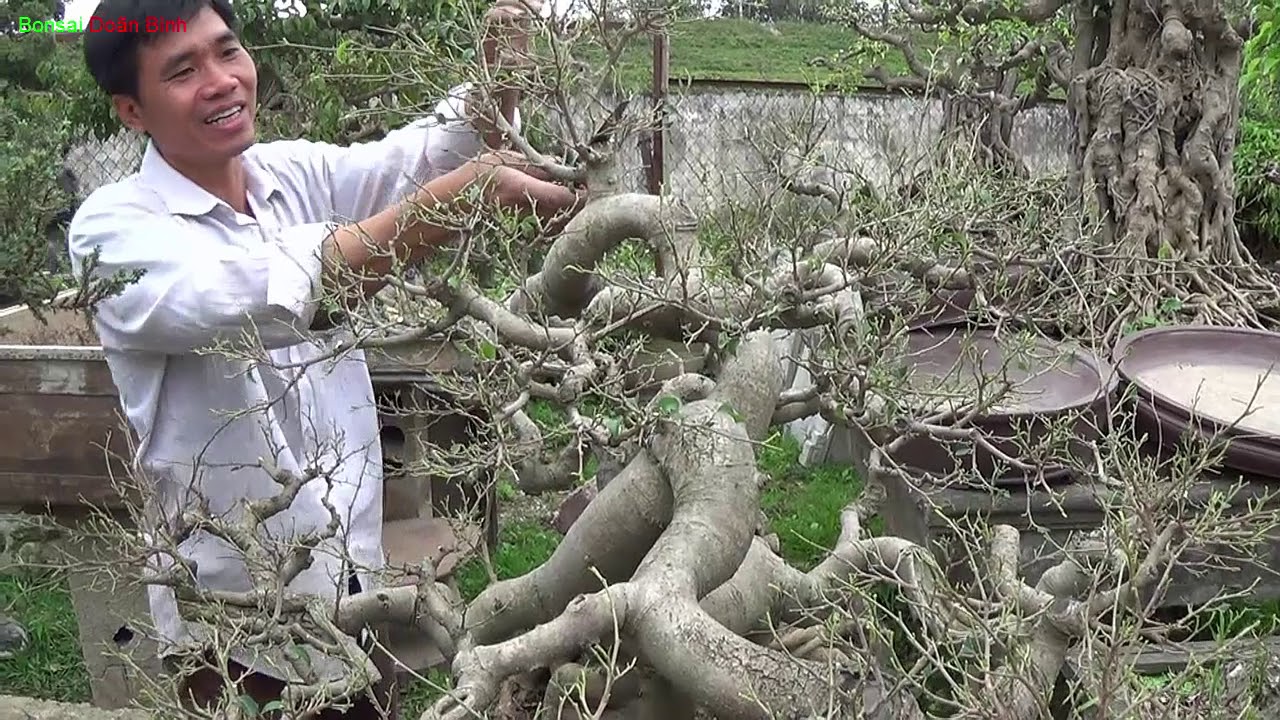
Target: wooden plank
[(1173, 658), (34, 492), (661, 81)]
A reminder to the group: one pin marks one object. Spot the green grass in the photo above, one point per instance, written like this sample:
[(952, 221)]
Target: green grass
[(803, 504), (820, 55), (730, 49), (522, 547), (747, 51), (52, 667)]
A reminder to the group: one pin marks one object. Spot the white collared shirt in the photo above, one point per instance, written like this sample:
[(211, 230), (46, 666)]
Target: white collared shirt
[(213, 273)]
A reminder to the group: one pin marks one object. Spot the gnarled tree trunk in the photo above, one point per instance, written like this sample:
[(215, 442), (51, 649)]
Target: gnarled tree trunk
[(1155, 106), (987, 121), (1154, 101)]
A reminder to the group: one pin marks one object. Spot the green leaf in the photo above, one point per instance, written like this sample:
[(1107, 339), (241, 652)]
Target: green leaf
[(669, 404), (613, 425), (299, 652), (250, 705), (488, 351)]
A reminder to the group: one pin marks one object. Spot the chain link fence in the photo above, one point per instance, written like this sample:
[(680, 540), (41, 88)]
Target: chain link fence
[(93, 163), (726, 141), (723, 141)]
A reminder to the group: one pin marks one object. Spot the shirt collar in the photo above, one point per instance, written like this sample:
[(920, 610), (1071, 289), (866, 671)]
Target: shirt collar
[(181, 196)]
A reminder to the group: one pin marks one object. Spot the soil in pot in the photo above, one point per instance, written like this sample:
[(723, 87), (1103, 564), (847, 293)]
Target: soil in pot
[(1224, 381)]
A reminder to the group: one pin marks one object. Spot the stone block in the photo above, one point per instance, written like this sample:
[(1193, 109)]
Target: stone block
[(418, 417), (25, 708), (1077, 690), (407, 544), (115, 627)]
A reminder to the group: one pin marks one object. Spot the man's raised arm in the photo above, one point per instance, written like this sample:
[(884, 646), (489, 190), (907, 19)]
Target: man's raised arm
[(365, 249), (366, 178), (196, 290)]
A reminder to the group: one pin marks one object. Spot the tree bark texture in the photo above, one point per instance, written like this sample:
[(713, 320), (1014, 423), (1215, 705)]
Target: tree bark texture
[(1154, 103)]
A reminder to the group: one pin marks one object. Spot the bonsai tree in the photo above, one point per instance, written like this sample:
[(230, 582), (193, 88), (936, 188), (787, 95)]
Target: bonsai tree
[(667, 596)]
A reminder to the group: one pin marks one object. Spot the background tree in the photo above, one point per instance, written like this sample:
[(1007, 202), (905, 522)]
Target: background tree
[(21, 59), (1152, 94), (35, 193), (1258, 150)]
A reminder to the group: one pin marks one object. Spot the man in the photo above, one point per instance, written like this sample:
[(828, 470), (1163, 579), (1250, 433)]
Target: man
[(238, 238)]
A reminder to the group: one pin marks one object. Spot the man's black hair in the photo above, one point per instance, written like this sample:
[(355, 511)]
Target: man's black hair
[(112, 57)]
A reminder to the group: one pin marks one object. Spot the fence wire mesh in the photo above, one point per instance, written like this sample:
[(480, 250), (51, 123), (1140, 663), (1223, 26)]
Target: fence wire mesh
[(724, 142), (94, 163)]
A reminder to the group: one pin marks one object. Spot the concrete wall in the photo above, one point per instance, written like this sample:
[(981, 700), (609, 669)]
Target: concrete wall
[(719, 138)]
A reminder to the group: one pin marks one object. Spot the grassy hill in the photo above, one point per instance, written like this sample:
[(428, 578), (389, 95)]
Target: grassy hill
[(784, 52), (745, 50), (733, 49)]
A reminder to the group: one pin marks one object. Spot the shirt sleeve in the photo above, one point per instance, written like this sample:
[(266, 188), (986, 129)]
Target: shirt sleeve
[(366, 178), (193, 292)]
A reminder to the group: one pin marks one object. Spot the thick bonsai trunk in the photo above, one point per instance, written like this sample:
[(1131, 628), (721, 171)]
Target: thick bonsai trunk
[(1154, 104), (978, 126), (1156, 117)]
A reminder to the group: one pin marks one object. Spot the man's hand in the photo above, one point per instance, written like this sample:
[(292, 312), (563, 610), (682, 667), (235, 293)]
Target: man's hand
[(511, 181)]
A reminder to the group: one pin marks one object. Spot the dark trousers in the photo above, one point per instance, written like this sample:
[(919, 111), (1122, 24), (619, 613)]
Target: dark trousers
[(203, 688)]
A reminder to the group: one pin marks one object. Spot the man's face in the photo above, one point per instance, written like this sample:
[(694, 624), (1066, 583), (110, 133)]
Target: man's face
[(196, 93)]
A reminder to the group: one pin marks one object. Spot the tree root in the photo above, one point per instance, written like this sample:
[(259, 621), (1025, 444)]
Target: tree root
[(565, 284), (535, 473), (702, 606), (1141, 292), (608, 541), (617, 529)]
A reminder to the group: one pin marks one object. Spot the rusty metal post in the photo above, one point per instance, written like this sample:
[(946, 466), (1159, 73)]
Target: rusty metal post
[(657, 154)]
